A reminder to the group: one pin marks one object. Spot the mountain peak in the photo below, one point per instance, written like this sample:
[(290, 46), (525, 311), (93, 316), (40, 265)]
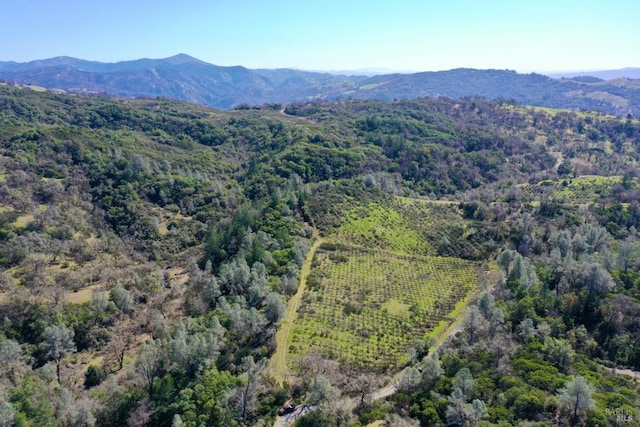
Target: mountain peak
[(182, 58)]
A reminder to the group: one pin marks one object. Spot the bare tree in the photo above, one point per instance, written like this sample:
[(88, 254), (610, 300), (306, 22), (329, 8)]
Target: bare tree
[(473, 322), (148, 364), (13, 362), (527, 330), (115, 350), (249, 392), (409, 380), (596, 279), (596, 238)]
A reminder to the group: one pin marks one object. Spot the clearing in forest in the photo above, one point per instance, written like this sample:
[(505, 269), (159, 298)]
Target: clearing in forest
[(371, 294)]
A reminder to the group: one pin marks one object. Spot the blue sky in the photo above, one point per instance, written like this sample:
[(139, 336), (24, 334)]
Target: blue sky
[(418, 35)]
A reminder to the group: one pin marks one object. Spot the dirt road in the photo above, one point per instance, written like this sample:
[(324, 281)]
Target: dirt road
[(278, 363)]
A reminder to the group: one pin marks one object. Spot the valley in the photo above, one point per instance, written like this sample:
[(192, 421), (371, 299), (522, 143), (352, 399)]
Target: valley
[(430, 261), (189, 79)]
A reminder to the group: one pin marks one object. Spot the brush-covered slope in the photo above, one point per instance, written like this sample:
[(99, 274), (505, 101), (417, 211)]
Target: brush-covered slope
[(148, 248), (186, 78)]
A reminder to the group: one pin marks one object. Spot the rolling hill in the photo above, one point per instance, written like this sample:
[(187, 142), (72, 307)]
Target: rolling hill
[(629, 73), (150, 248), (186, 78)]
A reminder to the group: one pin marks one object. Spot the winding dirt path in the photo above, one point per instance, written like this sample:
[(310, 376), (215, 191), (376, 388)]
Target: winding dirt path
[(278, 363), (559, 159), (627, 372)]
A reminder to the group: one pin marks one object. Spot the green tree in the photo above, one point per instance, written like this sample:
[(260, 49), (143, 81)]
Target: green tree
[(477, 411), (456, 413), (7, 414), (58, 343), (321, 391), (205, 401), (560, 351), (505, 259), (464, 381), (577, 396), (432, 368), (93, 376), (275, 307)]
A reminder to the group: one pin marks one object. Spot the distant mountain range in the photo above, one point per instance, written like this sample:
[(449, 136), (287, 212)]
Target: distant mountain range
[(629, 73), (187, 78)]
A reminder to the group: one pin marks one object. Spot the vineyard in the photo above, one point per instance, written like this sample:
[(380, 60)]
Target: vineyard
[(368, 307)]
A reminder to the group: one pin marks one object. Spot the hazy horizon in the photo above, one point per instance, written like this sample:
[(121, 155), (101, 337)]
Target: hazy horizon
[(357, 71)]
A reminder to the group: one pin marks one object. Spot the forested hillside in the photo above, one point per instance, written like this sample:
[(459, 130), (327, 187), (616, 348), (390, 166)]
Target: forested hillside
[(149, 248), (189, 79)]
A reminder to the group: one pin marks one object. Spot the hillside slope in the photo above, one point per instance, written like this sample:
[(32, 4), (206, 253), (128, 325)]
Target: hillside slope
[(186, 78), (148, 247)]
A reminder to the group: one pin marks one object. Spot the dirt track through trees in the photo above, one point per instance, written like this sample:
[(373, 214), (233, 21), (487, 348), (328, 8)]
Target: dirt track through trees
[(278, 363)]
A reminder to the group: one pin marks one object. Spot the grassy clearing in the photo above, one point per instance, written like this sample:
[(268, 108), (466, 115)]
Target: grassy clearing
[(372, 86), (167, 219), (381, 227), (411, 201), (585, 188), (576, 191), (368, 307), (396, 308), (23, 221), (614, 100), (80, 297), (83, 295)]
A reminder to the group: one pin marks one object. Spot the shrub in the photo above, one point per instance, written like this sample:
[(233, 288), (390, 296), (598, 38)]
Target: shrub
[(93, 376)]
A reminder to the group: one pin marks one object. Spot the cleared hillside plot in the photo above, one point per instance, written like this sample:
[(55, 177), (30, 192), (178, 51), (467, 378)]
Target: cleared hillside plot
[(382, 227), (577, 190), (367, 307), (585, 189), (418, 227)]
